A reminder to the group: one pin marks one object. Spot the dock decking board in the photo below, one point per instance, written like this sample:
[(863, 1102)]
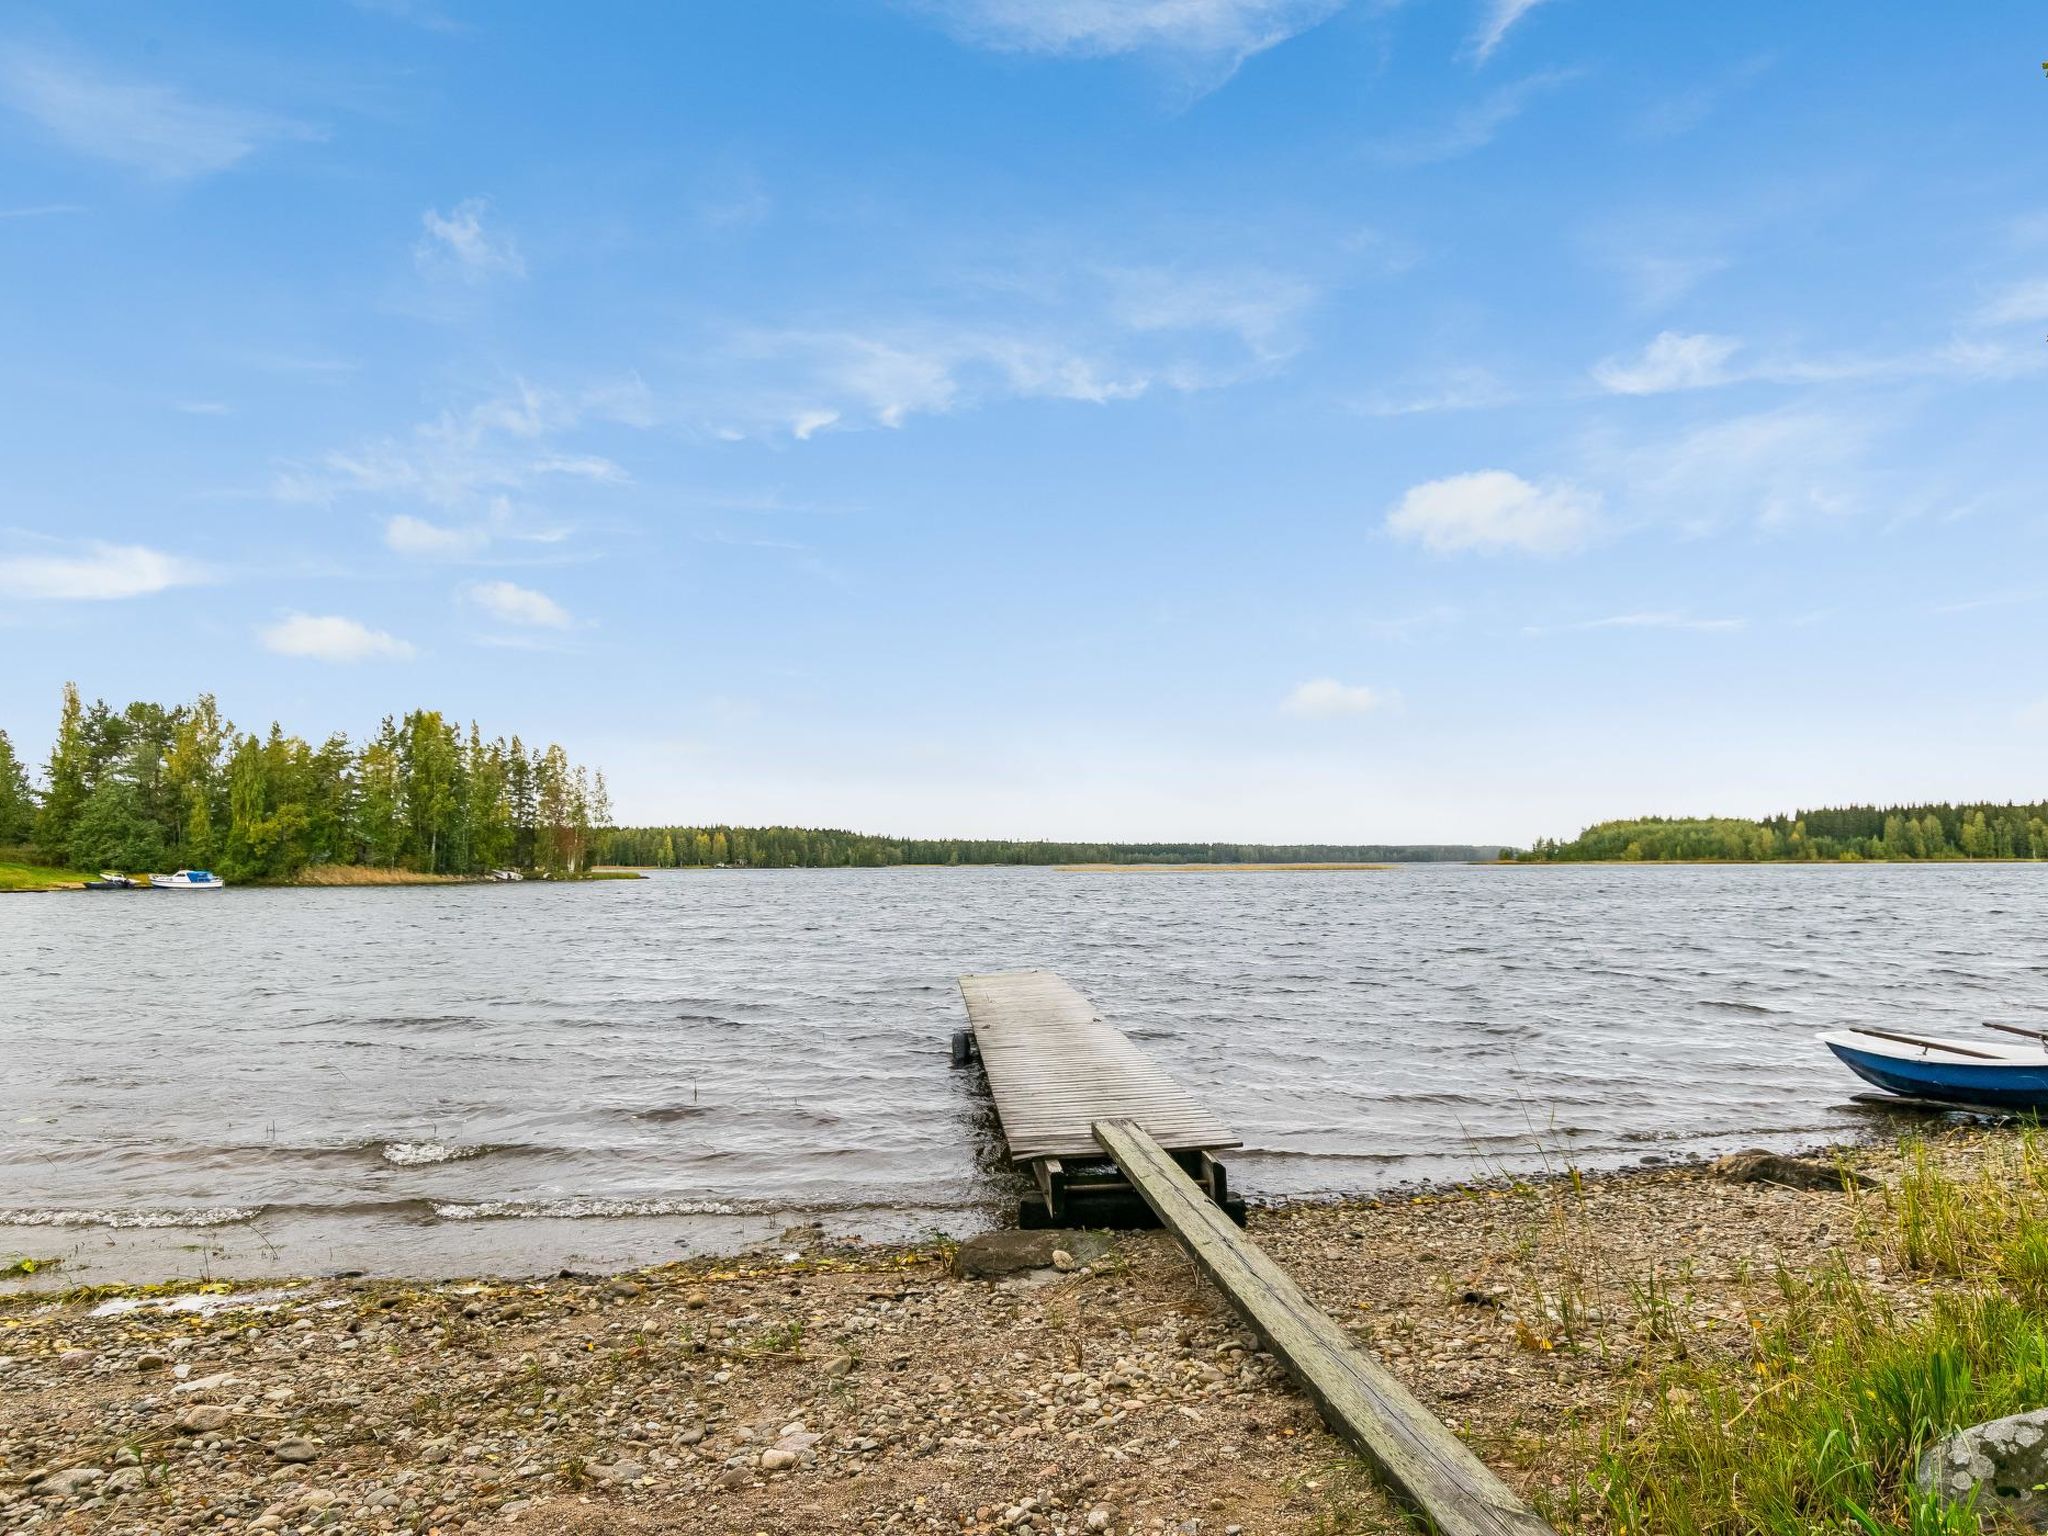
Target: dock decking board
[(1055, 1068)]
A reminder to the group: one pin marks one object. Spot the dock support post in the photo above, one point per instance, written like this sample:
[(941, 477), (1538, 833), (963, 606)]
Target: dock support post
[(1413, 1452)]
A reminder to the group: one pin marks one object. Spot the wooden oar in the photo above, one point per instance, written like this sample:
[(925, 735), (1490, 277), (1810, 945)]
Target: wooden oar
[(2039, 1037), (1926, 1045)]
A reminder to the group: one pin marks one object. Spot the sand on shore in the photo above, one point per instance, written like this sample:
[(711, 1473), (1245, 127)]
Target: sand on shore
[(815, 1384)]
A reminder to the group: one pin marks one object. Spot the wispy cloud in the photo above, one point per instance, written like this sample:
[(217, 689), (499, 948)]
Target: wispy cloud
[(1657, 620), (96, 572), (1674, 360), (510, 603), (1472, 128), (1797, 462), (1094, 335), (147, 127), (1492, 511), (1495, 23), (1680, 111), (2017, 304), (1451, 389), (41, 210), (457, 244), (1324, 698), (1229, 31), (471, 463), (330, 637)]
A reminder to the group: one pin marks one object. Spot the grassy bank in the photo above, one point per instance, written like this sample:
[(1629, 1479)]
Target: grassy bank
[(1814, 1422), (40, 877), (365, 874)]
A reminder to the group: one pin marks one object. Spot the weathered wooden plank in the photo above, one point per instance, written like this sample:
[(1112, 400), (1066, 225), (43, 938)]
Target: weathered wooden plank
[(1055, 1067), (1413, 1452)]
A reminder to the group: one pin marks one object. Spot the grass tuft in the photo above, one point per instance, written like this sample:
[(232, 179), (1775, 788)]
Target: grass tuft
[(1813, 1427)]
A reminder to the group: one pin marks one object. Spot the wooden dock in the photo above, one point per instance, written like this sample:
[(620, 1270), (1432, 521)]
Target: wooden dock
[(1055, 1067), (1419, 1459), (1071, 1089)]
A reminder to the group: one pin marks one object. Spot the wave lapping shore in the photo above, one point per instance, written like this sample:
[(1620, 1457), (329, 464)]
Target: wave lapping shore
[(814, 1384)]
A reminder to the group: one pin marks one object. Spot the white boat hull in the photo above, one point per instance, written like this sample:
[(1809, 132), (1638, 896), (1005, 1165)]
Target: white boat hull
[(183, 881)]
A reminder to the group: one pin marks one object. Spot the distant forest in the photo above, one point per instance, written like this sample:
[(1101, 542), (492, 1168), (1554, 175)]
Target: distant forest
[(151, 788), (1943, 831), (811, 848)]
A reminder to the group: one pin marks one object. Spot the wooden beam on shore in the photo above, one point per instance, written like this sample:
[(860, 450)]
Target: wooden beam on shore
[(1413, 1452)]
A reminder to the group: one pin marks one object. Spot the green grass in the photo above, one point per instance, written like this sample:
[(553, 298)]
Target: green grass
[(1813, 1426), (39, 877)]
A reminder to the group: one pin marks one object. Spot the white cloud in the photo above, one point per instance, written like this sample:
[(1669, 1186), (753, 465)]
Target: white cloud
[(1230, 30), (1473, 128), (103, 571), (2020, 303), (1325, 697), (328, 637), (1499, 19), (410, 535), (150, 128), (457, 243), (1494, 510), (512, 604), (1674, 360)]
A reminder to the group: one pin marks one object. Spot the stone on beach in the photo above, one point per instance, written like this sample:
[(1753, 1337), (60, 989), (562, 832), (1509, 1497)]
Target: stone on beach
[(2003, 1464), (1757, 1166), (994, 1255)]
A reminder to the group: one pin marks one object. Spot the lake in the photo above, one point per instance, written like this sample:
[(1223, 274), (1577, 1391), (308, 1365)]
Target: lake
[(520, 1077)]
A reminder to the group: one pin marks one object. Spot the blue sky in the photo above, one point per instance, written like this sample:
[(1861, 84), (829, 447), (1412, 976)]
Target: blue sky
[(1458, 419)]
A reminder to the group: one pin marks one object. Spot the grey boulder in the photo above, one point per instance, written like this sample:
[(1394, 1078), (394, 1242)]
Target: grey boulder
[(2003, 1463)]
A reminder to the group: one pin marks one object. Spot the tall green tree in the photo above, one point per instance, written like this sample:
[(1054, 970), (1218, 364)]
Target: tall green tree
[(17, 798), (65, 780)]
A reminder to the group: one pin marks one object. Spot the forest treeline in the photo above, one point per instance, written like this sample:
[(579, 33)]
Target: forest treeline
[(152, 788), (1943, 831), (811, 847)]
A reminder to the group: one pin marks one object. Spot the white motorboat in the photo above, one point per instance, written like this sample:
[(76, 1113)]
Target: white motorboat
[(188, 880)]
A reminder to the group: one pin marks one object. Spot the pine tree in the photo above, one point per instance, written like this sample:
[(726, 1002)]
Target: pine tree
[(17, 798), (65, 778)]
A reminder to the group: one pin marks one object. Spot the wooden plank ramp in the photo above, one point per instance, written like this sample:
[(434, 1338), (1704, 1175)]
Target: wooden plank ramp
[(1055, 1067), (1417, 1456)]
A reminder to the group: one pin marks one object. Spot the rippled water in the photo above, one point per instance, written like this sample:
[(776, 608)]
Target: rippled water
[(464, 1075)]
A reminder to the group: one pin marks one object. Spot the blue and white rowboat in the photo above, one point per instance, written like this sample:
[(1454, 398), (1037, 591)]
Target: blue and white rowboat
[(1993, 1076)]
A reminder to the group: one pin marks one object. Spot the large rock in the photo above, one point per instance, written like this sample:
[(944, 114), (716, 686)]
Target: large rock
[(993, 1255), (2005, 1463), (1757, 1166)]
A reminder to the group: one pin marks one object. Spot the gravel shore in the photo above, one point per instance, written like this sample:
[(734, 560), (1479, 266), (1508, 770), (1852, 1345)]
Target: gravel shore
[(815, 1385)]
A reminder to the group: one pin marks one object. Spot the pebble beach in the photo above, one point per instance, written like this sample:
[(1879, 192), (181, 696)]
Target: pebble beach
[(818, 1384)]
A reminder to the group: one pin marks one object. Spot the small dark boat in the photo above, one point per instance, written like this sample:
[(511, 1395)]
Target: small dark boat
[(109, 881), (1984, 1076)]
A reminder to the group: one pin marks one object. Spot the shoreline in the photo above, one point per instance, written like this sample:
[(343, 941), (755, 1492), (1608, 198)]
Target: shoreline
[(393, 1240), (806, 1381)]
